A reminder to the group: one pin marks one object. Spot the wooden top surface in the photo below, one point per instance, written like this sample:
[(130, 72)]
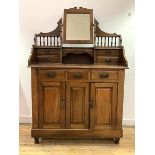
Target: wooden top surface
[(91, 66)]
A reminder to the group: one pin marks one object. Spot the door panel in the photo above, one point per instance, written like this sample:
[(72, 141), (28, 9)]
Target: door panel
[(77, 107), (104, 100), (51, 101), (52, 112), (103, 106)]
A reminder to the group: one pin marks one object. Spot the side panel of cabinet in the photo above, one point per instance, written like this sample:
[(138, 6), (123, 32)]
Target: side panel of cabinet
[(103, 110), (51, 108), (34, 98), (77, 107)]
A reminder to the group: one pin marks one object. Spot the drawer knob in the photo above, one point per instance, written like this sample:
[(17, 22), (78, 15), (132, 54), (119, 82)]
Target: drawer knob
[(107, 60), (47, 51), (77, 75), (104, 75), (108, 52), (51, 74)]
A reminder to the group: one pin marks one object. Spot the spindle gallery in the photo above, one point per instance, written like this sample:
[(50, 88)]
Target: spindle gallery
[(77, 91)]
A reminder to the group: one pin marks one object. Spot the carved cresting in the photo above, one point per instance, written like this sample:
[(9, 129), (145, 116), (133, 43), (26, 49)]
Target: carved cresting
[(53, 38), (103, 39), (75, 9)]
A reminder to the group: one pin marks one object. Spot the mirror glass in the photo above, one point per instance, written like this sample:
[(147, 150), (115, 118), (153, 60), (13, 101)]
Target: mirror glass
[(78, 27)]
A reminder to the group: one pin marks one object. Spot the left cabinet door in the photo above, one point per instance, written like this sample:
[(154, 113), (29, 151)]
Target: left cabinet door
[(52, 105)]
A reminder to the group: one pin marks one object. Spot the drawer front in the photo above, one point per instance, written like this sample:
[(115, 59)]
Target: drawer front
[(107, 60), (48, 75), (48, 58), (104, 75), (107, 52), (48, 51), (77, 75)]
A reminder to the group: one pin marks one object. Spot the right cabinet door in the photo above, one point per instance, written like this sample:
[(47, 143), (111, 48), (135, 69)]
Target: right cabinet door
[(103, 101)]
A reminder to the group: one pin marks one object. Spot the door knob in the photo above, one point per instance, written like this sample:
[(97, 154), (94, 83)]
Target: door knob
[(62, 102), (107, 60), (91, 103)]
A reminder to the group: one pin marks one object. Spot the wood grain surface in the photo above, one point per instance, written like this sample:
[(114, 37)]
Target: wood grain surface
[(75, 146)]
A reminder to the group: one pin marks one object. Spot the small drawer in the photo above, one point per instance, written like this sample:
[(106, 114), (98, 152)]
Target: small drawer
[(48, 58), (104, 75), (107, 60), (48, 51), (107, 52), (77, 75), (48, 75)]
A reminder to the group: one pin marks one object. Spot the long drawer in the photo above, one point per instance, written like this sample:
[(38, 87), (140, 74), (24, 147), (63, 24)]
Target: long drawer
[(49, 75)]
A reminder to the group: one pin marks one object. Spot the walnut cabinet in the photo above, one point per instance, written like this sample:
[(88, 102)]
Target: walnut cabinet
[(77, 92), (69, 103)]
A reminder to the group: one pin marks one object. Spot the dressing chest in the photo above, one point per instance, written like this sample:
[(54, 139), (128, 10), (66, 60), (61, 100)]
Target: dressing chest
[(77, 74)]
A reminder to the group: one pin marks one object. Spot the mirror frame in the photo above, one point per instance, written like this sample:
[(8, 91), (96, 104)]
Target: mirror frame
[(75, 10)]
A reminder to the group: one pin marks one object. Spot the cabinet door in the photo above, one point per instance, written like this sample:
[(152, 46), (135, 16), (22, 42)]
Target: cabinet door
[(77, 107), (103, 105), (51, 105)]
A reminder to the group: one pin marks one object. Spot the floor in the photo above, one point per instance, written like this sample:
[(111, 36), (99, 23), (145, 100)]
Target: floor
[(76, 146)]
